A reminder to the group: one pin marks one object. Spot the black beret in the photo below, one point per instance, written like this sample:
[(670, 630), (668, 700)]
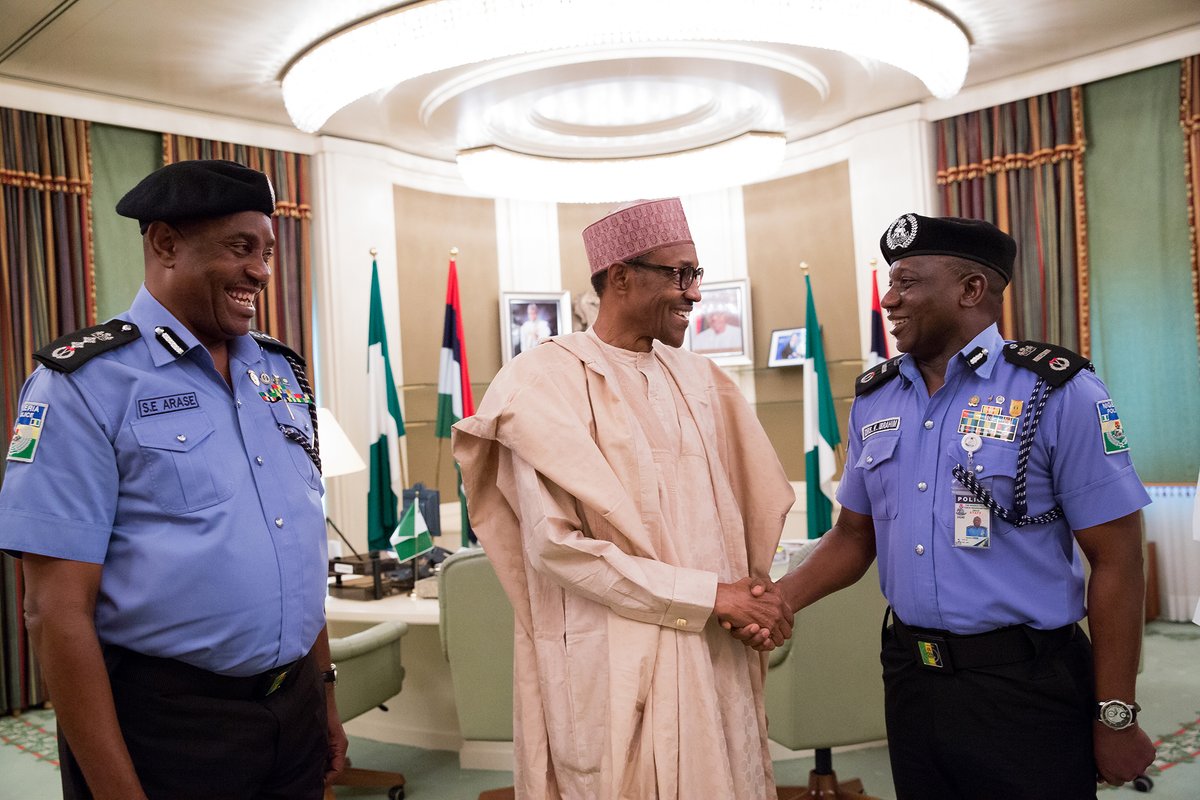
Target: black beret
[(972, 239), (195, 190)]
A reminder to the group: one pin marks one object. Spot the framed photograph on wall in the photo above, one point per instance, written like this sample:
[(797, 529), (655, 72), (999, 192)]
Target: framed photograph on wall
[(720, 326), (528, 317), (788, 347)]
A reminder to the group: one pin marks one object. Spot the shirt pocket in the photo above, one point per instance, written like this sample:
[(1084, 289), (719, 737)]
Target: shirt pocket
[(880, 473), (994, 466), (180, 457), (298, 416)]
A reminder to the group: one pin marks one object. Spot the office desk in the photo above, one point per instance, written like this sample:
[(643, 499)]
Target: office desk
[(423, 714)]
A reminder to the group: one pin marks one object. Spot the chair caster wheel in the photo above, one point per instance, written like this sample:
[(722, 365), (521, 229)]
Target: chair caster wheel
[(396, 793), (1142, 783)]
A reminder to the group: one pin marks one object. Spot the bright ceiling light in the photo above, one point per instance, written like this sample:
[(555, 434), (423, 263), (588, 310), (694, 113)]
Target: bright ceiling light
[(434, 35), (497, 172)]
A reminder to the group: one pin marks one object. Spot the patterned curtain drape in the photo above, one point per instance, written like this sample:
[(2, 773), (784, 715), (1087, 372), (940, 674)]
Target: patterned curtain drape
[(1020, 166), (47, 280), (1189, 118), (285, 308)]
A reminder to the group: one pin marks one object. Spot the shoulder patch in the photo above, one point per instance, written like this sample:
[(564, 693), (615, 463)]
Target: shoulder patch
[(877, 376), (271, 343), (75, 349), (1055, 364)]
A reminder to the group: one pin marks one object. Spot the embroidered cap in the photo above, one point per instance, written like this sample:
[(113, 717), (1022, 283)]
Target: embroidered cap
[(972, 239), (195, 190), (633, 230)]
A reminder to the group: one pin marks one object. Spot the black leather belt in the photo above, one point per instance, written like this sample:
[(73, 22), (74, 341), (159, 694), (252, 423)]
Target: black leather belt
[(167, 675), (943, 651)]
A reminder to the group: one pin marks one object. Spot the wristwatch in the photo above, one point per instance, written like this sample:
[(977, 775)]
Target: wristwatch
[(330, 675), (1117, 714)]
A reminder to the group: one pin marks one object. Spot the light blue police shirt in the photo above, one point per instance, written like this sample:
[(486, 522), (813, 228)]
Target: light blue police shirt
[(903, 445), (208, 521)]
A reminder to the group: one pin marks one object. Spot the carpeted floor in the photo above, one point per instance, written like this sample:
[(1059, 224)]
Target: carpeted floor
[(1168, 690)]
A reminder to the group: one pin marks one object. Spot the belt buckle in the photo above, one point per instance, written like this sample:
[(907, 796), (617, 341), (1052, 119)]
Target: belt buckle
[(934, 654), (277, 682)]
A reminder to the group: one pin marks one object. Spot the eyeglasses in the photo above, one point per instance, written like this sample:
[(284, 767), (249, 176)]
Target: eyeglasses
[(684, 276)]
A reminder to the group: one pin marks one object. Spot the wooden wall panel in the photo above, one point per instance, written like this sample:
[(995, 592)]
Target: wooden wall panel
[(572, 219)]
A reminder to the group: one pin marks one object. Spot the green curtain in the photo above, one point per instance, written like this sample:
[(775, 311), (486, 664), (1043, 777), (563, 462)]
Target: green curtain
[(1142, 310), (1018, 166), (46, 290), (285, 307), (120, 158)]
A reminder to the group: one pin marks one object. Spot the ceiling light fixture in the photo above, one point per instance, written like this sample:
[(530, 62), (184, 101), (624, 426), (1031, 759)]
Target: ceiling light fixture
[(434, 35), (497, 172)]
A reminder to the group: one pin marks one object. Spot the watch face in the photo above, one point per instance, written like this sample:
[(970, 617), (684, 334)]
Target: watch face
[(1116, 715)]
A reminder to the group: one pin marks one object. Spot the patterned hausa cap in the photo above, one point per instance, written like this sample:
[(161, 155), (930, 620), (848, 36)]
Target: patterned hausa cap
[(633, 230)]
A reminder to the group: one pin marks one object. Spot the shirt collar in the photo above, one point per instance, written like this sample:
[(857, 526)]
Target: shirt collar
[(989, 339), (150, 315)]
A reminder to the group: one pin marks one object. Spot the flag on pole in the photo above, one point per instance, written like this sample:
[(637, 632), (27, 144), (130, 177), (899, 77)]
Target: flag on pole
[(879, 343), (820, 426), (411, 537), (454, 384), (385, 427)]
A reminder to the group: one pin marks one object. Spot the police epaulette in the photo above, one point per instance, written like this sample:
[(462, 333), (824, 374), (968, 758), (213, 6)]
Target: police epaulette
[(75, 349), (877, 376), (273, 343), (1055, 364)]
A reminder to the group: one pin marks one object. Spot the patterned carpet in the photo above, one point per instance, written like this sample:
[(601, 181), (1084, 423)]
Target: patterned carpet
[(33, 734)]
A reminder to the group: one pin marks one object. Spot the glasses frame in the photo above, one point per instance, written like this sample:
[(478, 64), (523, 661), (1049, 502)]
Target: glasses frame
[(677, 272)]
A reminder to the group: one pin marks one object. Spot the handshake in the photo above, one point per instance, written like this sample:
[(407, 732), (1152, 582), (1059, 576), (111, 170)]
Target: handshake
[(755, 612)]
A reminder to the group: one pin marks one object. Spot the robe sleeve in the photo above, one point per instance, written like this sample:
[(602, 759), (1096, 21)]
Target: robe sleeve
[(638, 588)]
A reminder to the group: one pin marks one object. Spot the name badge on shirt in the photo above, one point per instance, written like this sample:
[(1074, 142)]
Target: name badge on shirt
[(27, 431), (889, 424), (972, 522), (152, 406)]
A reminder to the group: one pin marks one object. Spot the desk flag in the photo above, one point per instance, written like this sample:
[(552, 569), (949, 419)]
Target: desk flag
[(879, 343), (454, 384), (820, 426), (385, 427), (411, 537)]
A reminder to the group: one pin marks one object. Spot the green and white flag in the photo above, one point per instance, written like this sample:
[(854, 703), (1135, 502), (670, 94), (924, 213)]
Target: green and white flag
[(385, 427), (411, 537), (820, 426)]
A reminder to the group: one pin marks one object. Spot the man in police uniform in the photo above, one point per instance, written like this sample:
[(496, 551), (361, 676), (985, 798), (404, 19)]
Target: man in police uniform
[(991, 688), (164, 488)]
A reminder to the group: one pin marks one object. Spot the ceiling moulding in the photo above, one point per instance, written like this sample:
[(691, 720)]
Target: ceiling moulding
[(435, 35)]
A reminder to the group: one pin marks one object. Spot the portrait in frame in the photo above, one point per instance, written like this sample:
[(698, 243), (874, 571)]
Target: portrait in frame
[(720, 325), (788, 347), (526, 318)]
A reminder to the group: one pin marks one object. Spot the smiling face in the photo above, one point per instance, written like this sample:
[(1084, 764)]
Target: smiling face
[(215, 270), (922, 304), (663, 308)]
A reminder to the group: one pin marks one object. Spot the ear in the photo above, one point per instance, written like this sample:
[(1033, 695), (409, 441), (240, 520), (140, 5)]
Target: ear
[(974, 289), (620, 275), (162, 240)]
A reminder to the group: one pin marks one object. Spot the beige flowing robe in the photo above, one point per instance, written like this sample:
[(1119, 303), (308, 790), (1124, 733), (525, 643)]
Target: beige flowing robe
[(624, 686)]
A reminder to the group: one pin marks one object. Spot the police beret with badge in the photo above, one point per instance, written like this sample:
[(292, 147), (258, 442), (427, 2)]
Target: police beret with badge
[(973, 239), (197, 190)]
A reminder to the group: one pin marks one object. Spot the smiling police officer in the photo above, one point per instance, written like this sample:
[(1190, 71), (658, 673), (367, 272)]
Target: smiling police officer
[(975, 465), (164, 489)]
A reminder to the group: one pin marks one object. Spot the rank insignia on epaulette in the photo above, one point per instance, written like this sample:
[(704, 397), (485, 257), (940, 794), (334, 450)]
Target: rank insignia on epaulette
[(75, 349), (1056, 365), (876, 376)]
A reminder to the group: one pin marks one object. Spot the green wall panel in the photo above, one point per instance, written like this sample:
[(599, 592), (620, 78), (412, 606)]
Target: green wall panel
[(120, 158), (1142, 316)]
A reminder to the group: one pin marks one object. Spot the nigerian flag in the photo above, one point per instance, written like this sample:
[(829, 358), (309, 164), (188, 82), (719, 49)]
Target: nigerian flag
[(820, 426), (385, 427), (411, 537)]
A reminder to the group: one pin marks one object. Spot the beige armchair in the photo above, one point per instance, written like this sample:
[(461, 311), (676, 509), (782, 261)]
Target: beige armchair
[(369, 673), (825, 685)]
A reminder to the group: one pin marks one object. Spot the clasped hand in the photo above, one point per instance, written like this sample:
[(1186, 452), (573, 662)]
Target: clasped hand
[(755, 612)]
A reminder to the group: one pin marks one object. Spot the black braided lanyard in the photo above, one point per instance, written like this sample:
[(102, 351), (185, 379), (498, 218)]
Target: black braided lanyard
[(313, 448), (1017, 516)]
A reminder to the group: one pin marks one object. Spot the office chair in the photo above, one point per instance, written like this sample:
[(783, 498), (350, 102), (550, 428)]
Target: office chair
[(369, 674)]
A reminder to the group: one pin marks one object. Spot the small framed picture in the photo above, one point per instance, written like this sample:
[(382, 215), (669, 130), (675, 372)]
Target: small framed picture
[(527, 318), (720, 325), (787, 347)]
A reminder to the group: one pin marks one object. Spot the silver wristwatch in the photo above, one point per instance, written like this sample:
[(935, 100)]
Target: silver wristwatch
[(1117, 714)]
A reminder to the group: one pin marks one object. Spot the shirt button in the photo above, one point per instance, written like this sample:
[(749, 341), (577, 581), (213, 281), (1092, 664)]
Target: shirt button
[(279, 522), (258, 460), (870, 459), (181, 438), (239, 403), (979, 467), (922, 486), (920, 549), (681, 623), (928, 424)]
